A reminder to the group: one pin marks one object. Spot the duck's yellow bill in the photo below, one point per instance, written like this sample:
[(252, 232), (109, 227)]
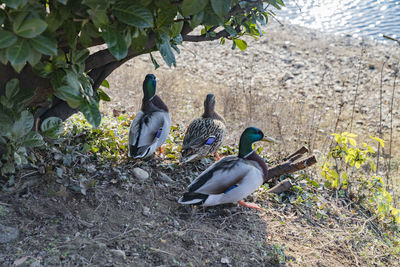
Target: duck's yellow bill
[(268, 139)]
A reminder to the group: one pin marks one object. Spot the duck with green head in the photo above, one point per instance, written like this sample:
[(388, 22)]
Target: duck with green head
[(150, 128), (205, 134), (232, 178)]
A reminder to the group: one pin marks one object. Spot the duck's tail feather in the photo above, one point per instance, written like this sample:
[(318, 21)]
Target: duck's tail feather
[(138, 152), (193, 198)]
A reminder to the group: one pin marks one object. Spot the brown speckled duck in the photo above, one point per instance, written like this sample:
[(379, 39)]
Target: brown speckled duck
[(204, 135)]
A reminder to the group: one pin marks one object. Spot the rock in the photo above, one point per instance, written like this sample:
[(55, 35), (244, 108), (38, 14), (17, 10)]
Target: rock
[(7, 234), (225, 260), (118, 253), (140, 174), (146, 211), (165, 178)]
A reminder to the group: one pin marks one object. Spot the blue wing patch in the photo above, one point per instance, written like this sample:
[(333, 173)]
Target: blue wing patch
[(230, 188), (158, 133), (210, 140)]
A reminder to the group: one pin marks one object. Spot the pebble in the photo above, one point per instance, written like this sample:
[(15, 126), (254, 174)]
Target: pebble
[(165, 178), (118, 253), (146, 211), (8, 234), (140, 174)]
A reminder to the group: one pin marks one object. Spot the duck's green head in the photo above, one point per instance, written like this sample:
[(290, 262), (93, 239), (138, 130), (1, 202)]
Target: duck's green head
[(149, 87), (248, 137)]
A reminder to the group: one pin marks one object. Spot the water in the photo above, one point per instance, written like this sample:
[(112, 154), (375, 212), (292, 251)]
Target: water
[(359, 18)]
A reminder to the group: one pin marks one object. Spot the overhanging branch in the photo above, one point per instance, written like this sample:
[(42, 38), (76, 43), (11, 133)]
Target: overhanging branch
[(203, 37)]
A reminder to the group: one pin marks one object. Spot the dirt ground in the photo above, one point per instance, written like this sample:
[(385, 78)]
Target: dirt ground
[(124, 221)]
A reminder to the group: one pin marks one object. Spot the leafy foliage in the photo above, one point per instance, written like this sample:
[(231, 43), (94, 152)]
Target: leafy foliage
[(16, 135), (350, 170), (52, 39)]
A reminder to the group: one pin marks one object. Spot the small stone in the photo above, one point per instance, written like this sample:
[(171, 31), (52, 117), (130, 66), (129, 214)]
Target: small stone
[(146, 211), (165, 178), (140, 174), (7, 234), (225, 260), (118, 253)]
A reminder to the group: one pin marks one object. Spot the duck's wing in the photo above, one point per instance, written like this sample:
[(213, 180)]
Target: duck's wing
[(144, 133), (220, 176), (200, 131), (241, 189), (227, 181)]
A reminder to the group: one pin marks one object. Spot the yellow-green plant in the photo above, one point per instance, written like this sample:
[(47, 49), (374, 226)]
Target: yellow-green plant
[(349, 169)]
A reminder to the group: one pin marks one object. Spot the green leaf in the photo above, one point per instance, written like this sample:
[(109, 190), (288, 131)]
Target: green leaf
[(99, 17), (8, 168), (139, 42), (133, 14), (197, 19), (120, 50), (156, 66), (381, 141), (70, 94), (102, 95), (165, 16), (31, 28), (91, 112), (3, 56), (210, 18), (34, 57), (7, 39), (96, 4), (18, 54), (192, 7), (52, 127), (221, 7), (176, 28), (230, 30), (105, 84), (241, 44), (15, 3), (33, 139), (109, 35), (22, 125), (12, 88), (79, 56), (165, 50), (116, 43), (17, 158), (64, 2), (2, 16), (44, 45)]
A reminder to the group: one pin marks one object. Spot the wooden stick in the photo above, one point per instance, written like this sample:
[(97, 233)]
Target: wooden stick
[(301, 151), (283, 186), (288, 167)]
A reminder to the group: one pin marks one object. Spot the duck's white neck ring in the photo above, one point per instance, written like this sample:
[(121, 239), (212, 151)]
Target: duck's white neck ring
[(248, 154), (152, 97)]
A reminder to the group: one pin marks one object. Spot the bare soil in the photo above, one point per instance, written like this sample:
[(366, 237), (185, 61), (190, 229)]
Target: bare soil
[(123, 221)]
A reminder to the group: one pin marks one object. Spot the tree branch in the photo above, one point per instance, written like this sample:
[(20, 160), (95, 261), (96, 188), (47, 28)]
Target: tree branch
[(290, 165), (203, 37)]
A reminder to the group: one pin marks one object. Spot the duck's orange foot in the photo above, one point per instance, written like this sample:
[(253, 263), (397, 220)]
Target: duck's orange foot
[(249, 205), (160, 151), (217, 156)]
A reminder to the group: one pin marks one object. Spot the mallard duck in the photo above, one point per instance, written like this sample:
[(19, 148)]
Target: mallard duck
[(204, 135), (150, 128), (232, 178)]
